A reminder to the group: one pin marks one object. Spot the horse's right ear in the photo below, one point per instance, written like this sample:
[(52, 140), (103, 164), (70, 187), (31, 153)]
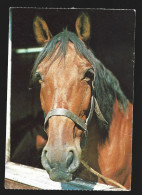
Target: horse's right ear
[(41, 31)]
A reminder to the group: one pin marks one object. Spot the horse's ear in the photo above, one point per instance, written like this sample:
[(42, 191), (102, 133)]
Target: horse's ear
[(82, 26), (41, 31)]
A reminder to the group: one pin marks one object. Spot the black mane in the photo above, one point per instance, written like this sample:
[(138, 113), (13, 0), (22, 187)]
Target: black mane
[(107, 88)]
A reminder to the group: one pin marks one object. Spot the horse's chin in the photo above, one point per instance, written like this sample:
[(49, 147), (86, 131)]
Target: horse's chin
[(60, 176)]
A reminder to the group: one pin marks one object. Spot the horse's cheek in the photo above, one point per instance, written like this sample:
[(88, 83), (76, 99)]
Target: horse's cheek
[(42, 101)]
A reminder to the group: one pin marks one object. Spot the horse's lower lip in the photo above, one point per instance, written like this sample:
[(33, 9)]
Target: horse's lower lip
[(60, 176)]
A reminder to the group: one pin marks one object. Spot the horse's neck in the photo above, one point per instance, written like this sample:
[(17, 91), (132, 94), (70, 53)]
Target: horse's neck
[(111, 154)]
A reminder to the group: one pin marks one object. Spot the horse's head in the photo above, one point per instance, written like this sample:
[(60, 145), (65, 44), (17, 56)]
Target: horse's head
[(66, 83)]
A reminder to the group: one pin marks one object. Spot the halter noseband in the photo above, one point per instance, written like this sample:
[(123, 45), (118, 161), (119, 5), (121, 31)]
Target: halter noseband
[(72, 116)]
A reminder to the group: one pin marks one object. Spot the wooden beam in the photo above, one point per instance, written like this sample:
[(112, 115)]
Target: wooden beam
[(39, 179), (9, 184)]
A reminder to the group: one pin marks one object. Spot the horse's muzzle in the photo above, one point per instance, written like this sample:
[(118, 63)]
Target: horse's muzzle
[(60, 170)]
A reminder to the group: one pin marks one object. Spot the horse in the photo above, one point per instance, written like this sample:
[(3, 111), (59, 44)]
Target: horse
[(87, 115)]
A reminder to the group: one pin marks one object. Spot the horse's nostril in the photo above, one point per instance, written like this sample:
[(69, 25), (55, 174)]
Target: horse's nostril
[(69, 158)]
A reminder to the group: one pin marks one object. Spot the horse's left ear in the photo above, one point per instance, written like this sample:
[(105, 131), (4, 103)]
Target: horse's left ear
[(82, 26)]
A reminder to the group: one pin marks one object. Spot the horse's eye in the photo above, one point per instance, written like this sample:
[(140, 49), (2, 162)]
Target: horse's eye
[(89, 75), (38, 77)]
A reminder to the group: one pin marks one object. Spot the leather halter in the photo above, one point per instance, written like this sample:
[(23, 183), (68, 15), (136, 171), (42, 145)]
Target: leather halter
[(75, 118), (72, 116)]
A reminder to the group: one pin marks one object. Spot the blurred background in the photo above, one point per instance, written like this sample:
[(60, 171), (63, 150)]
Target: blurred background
[(112, 41)]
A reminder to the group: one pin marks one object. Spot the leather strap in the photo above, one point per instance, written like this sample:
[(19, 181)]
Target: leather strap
[(68, 114), (75, 118), (99, 113), (88, 120)]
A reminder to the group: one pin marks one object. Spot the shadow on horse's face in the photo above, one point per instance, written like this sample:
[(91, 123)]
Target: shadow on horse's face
[(64, 84)]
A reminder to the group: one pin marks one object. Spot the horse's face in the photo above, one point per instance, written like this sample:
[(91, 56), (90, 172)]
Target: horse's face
[(64, 84)]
